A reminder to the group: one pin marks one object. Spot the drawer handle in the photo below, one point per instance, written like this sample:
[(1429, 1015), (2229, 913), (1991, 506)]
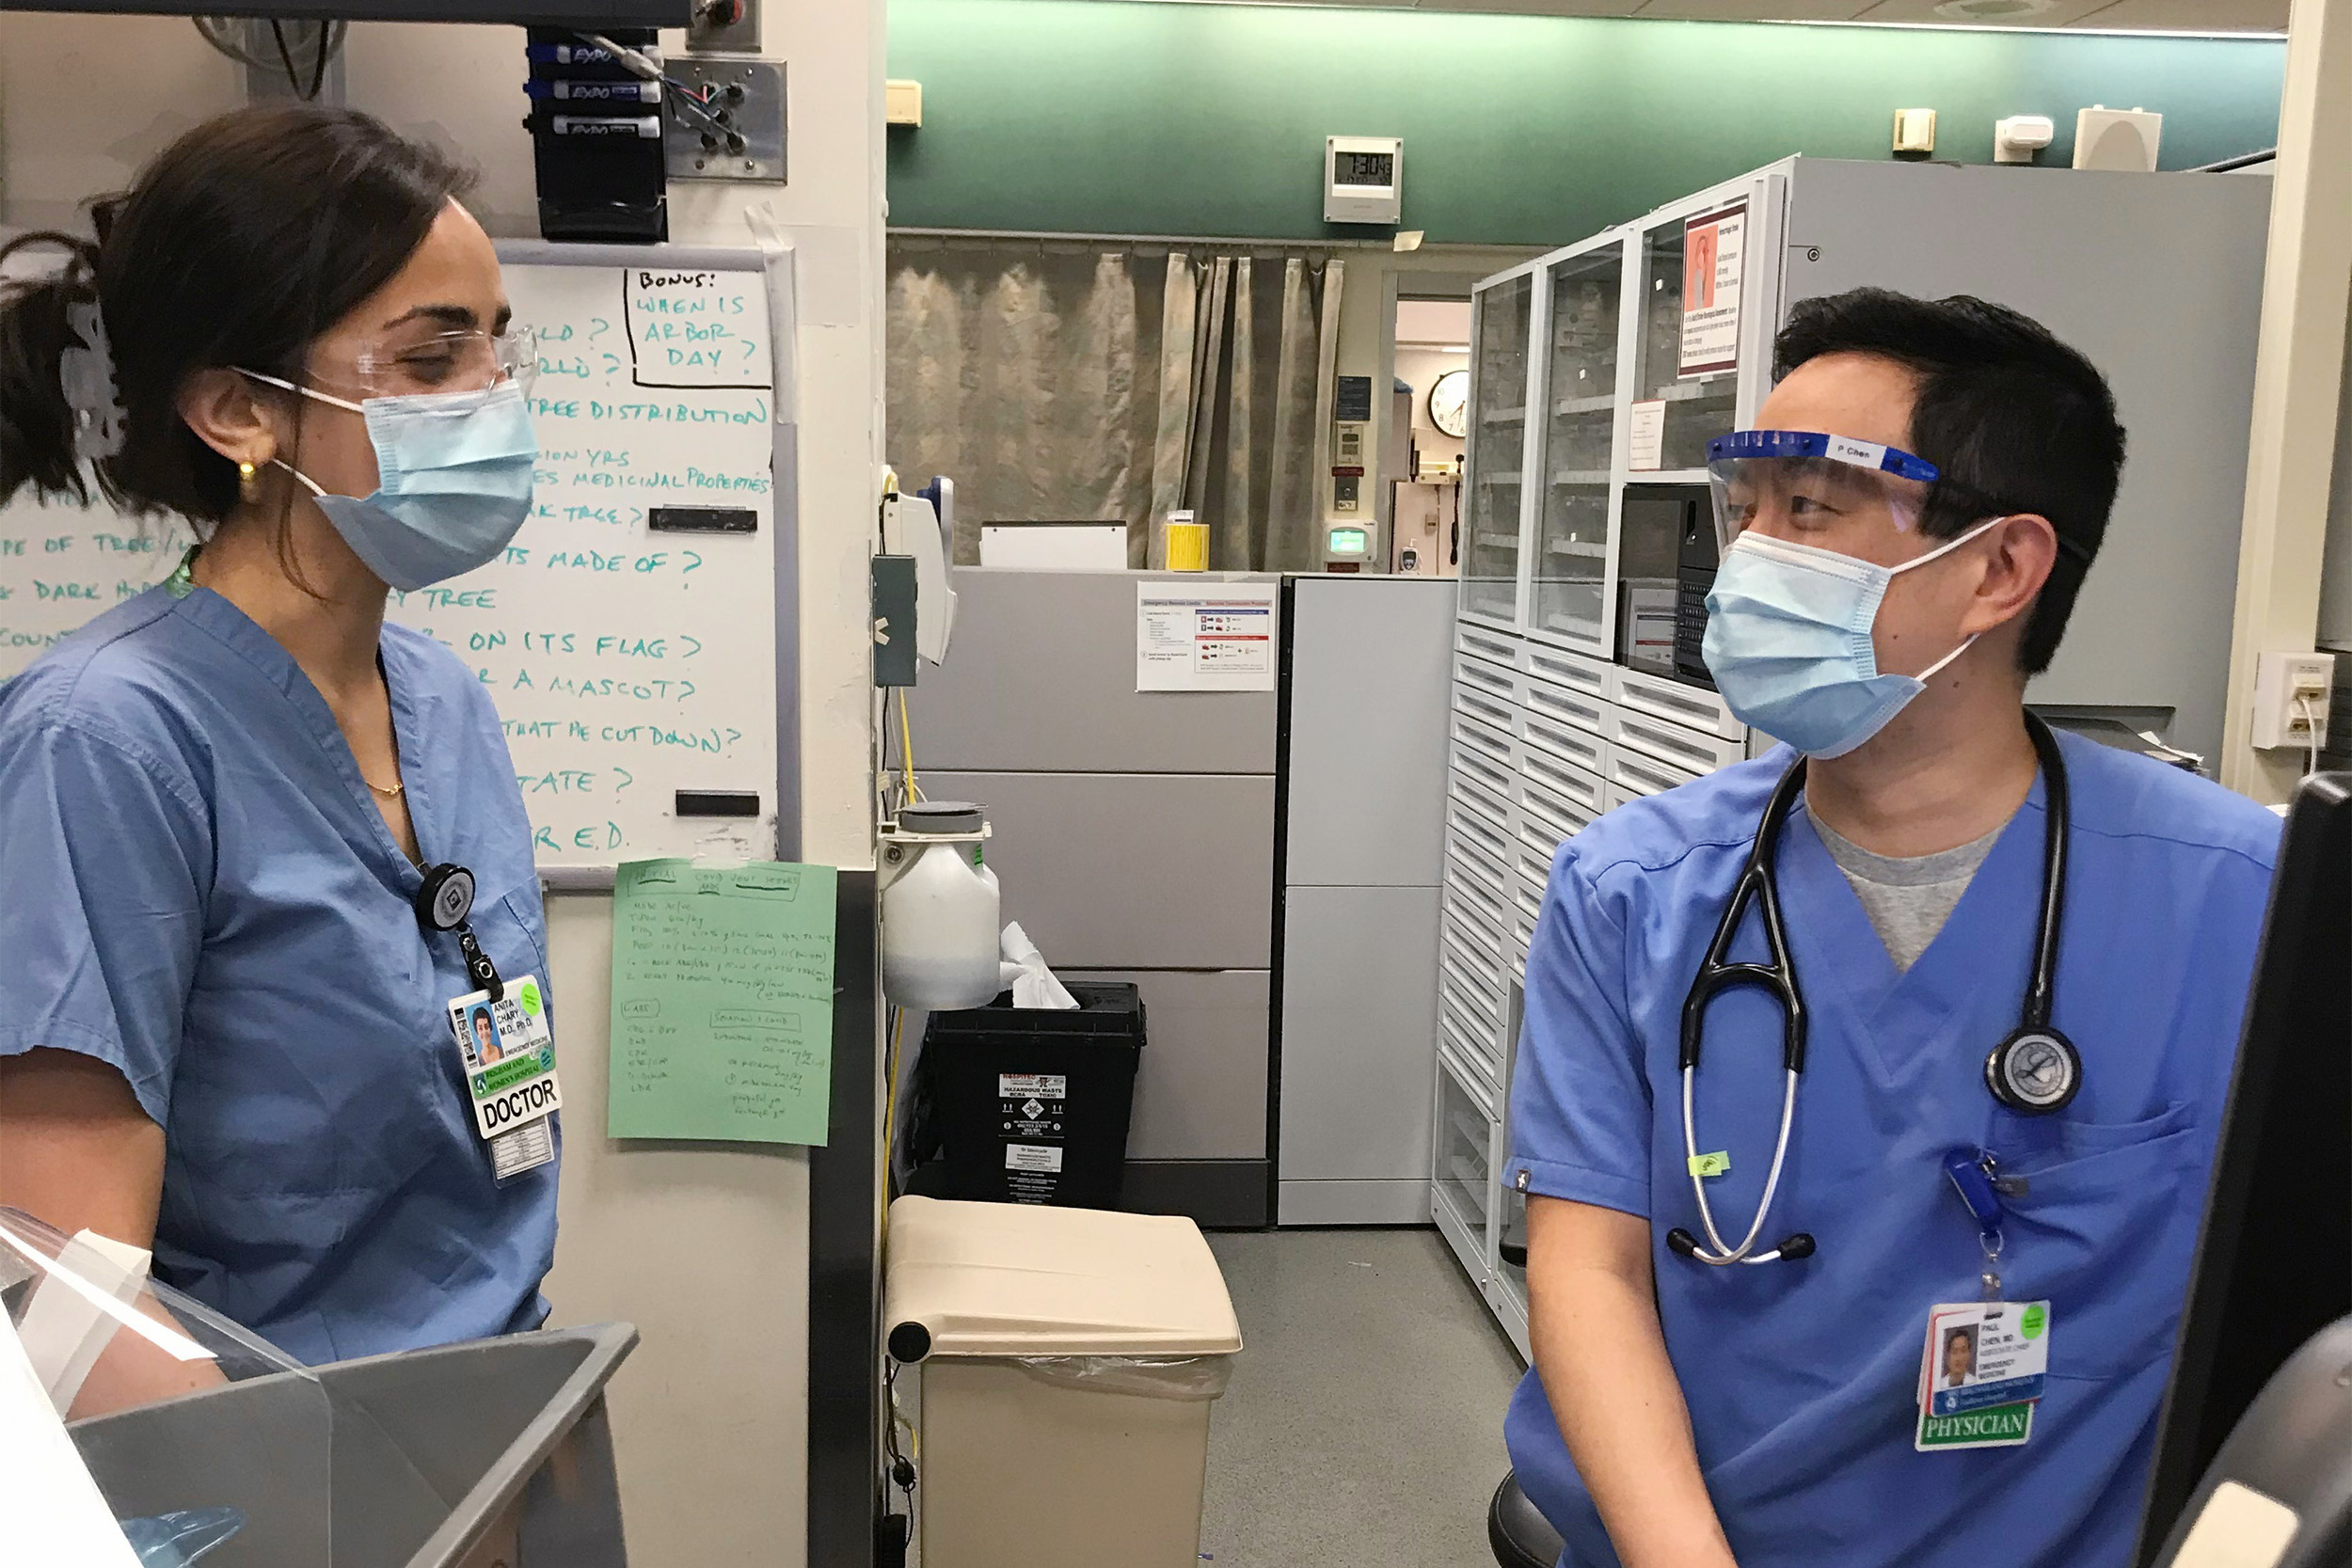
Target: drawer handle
[(1481, 834), (1656, 781), (1470, 673), (1568, 784), (1664, 741), (1575, 713), (1486, 647), (1568, 674), (1475, 700)]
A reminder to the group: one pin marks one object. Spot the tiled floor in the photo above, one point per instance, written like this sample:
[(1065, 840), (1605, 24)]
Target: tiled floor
[(1364, 1424)]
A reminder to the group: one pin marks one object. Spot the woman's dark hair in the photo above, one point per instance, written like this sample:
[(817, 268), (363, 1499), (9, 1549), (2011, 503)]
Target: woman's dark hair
[(238, 246), (2016, 421)]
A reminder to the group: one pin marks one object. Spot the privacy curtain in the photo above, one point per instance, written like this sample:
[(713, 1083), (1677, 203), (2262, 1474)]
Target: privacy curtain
[(1067, 381)]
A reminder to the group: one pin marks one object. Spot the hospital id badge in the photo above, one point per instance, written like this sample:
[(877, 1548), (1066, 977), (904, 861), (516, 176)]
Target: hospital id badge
[(508, 1053), (1981, 1374)]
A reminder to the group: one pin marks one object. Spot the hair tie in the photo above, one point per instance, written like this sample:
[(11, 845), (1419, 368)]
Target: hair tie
[(85, 372)]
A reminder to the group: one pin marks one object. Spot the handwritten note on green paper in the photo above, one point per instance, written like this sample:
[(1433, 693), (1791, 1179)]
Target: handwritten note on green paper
[(721, 1001)]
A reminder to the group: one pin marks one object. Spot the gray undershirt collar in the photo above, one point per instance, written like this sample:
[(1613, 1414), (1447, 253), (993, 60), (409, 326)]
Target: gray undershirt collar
[(1908, 898)]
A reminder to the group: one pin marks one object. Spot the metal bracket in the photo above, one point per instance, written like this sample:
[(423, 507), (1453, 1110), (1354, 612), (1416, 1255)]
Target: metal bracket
[(738, 133)]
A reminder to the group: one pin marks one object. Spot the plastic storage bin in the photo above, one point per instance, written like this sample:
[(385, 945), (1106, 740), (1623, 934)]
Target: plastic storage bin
[(462, 1456), (1032, 1103), (1068, 1361)]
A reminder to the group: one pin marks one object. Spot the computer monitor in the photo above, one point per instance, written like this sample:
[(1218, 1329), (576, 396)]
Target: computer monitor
[(2274, 1262)]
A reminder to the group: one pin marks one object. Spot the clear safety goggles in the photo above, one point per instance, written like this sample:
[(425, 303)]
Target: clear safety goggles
[(461, 369), (1808, 480)]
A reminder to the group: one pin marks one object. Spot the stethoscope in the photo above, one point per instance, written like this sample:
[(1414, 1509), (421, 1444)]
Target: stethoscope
[(2034, 1072)]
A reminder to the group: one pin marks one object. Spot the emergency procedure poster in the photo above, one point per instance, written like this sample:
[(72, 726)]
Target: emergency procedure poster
[(1712, 248), (1205, 636)]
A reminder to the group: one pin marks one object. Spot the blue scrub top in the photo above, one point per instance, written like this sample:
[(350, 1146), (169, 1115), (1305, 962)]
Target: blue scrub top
[(1803, 1378), (197, 886)]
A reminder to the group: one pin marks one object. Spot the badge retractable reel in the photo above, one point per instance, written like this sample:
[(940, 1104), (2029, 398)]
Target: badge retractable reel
[(443, 902)]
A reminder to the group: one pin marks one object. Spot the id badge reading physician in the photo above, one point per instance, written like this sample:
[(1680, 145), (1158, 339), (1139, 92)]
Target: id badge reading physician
[(1984, 1368), (507, 1049)]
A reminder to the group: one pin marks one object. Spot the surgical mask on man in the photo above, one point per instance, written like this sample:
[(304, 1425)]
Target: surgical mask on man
[(453, 481), (1788, 641)]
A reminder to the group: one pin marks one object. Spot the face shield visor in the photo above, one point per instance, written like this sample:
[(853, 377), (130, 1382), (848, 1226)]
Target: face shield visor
[(1794, 482)]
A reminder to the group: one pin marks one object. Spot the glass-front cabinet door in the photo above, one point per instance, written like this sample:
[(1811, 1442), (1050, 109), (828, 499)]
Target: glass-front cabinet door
[(1687, 389), (1498, 448), (1571, 561)]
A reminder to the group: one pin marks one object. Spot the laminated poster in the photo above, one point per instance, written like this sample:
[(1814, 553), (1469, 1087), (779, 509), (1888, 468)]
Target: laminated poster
[(1712, 248)]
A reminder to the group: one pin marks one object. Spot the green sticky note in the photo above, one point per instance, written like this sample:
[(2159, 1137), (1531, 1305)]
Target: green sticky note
[(1710, 1164), (721, 1001)]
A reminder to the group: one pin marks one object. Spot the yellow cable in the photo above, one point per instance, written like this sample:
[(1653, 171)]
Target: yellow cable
[(906, 747)]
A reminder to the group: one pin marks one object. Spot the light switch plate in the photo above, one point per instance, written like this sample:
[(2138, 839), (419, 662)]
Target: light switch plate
[(738, 133)]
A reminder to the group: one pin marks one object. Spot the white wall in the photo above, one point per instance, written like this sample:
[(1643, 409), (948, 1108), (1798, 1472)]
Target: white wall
[(704, 1248)]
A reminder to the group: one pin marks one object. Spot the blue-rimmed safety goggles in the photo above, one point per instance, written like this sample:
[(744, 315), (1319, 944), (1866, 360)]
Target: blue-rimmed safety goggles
[(1808, 478)]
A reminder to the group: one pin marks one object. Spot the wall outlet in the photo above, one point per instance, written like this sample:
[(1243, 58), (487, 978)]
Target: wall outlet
[(2291, 696)]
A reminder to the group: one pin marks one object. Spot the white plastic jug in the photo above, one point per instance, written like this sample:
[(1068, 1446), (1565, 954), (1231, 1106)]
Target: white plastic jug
[(939, 909)]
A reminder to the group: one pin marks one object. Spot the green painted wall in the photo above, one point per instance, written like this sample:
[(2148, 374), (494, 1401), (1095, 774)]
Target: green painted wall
[(1094, 115)]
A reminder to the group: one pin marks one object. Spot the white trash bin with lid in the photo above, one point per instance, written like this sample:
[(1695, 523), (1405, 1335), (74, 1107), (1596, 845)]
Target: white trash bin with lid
[(1069, 1358)]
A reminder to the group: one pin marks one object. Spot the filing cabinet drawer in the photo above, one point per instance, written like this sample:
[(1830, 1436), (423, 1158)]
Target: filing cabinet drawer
[(1478, 943), (1546, 820), (1480, 811), (1495, 647), (1565, 704), (1572, 672), (1486, 705), (1582, 745), (1488, 756), (1693, 706), (1479, 890), (1581, 786), (1686, 748), (1497, 681), (1471, 996), (1638, 773), (1478, 1058)]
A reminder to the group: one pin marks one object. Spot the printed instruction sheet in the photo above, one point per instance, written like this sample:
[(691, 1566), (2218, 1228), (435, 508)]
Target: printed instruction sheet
[(1204, 636)]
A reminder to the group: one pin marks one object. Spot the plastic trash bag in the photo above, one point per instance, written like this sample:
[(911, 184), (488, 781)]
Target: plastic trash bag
[(1033, 983), (1195, 1379), (177, 1540)]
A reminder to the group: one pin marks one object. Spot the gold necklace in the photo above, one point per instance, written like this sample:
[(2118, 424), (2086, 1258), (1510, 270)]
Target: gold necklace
[(394, 793)]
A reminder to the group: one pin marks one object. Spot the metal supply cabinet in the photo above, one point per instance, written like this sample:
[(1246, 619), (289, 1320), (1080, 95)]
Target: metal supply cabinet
[(2157, 277), (1365, 676)]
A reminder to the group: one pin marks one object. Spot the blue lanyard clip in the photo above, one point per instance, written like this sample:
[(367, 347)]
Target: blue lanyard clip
[(1976, 1176)]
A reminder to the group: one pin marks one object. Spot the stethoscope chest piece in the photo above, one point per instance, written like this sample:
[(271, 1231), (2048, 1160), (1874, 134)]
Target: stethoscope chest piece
[(2034, 1072)]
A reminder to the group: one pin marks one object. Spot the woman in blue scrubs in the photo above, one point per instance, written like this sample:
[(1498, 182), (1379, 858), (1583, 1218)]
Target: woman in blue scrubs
[(224, 1031), (1770, 1414)]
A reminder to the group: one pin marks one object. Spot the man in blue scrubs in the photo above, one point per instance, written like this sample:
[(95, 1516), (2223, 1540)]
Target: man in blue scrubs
[(1892, 582)]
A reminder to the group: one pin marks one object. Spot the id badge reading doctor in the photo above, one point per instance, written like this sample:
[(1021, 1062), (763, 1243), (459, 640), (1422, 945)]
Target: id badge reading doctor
[(504, 1044), (508, 1051)]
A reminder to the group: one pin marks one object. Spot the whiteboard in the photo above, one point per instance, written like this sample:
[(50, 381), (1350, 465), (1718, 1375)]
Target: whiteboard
[(629, 663)]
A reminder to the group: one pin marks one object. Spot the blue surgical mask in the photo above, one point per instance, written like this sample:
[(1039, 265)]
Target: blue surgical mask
[(453, 472), (1789, 643)]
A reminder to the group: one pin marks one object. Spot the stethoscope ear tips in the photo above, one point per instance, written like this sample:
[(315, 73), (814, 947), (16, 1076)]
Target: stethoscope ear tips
[(1682, 1243), (1796, 1246)]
